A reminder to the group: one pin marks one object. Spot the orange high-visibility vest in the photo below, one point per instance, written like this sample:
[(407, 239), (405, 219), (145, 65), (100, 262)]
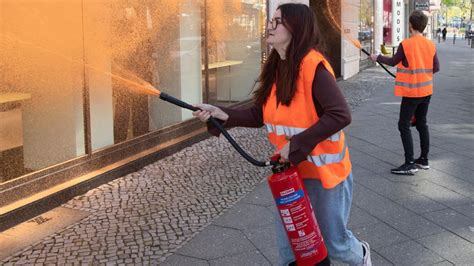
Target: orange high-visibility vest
[(329, 160), (416, 80)]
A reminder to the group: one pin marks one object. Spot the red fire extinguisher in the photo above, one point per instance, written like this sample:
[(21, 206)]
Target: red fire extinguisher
[(291, 199), (413, 121), (297, 215)]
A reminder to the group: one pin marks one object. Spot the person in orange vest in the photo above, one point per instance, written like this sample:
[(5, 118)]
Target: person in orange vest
[(416, 62), (304, 112)]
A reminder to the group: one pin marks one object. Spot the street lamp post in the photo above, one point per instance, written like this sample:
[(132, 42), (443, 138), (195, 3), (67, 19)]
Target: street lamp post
[(472, 4), (471, 33), (446, 17)]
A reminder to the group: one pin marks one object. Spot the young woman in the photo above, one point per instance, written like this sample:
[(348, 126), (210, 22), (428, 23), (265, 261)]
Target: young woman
[(304, 112)]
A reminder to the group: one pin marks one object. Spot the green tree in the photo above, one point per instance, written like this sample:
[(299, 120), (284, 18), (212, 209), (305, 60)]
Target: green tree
[(459, 3), (457, 8)]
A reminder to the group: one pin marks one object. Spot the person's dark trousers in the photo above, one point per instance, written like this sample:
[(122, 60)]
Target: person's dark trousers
[(419, 108)]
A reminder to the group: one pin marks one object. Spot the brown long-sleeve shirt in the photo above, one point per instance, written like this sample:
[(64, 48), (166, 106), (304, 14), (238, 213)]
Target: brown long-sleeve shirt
[(330, 105)]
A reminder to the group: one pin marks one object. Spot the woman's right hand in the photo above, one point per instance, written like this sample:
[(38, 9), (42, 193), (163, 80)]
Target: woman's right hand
[(207, 110), (374, 57)]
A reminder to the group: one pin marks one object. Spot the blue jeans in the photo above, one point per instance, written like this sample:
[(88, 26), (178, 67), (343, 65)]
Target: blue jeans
[(331, 207)]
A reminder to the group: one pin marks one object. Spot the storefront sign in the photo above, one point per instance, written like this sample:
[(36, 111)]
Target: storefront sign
[(422, 5), (398, 22), (435, 5)]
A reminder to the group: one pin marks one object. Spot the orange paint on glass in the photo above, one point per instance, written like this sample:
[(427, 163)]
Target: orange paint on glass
[(126, 78), (46, 44), (355, 42)]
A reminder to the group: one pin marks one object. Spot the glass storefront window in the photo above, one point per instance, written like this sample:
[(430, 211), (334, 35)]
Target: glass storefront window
[(41, 85), (234, 41), (155, 42), (387, 22), (68, 71), (366, 26)]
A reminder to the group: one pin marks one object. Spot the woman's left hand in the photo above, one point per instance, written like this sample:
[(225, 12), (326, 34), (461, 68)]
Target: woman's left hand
[(284, 152)]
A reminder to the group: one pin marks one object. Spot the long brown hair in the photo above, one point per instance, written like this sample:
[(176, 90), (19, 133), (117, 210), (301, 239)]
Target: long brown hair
[(301, 22)]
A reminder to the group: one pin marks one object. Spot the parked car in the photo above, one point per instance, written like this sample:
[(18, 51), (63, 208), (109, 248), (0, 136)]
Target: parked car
[(365, 35)]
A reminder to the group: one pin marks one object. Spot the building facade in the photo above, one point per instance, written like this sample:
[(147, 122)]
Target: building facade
[(71, 74), (71, 107)]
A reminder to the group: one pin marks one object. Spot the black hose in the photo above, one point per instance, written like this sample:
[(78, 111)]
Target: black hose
[(388, 71), (218, 125)]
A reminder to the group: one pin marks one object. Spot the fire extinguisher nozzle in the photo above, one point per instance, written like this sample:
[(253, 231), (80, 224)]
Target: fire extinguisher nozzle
[(271, 163)]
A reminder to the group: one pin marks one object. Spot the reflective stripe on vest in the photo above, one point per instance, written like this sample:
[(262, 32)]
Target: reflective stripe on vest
[(415, 85), (414, 71), (324, 159), (291, 131)]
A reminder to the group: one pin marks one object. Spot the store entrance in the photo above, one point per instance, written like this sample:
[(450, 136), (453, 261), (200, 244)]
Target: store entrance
[(331, 35)]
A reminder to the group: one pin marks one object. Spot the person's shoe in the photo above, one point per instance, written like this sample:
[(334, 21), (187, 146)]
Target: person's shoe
[(367, 260), (422, 163), (405, 169)]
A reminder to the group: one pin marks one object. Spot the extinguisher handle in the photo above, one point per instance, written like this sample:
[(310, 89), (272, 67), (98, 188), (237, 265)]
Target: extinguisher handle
[(279, 166), (275, 157)]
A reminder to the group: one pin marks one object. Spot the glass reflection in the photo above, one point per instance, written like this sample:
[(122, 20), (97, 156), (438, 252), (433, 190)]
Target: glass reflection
[(41, 82), (55, 54), (234, 48), (366, 26)]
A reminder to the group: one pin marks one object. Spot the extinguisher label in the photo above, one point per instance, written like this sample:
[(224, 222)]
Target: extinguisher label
[(290, 198), (297, 217)]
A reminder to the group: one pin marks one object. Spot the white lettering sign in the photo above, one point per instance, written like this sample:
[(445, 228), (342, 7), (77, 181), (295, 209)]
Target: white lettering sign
[(398, 22), (422, 5)]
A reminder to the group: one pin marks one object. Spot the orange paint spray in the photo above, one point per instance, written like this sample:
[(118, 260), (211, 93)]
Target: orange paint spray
[(126, 78), (355, 42)]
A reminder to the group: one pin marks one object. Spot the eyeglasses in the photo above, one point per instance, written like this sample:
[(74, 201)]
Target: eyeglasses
[(274, 22)]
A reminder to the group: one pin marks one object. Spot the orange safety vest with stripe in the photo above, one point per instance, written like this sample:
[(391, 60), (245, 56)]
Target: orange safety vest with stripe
[(329, 160), (416, 80)]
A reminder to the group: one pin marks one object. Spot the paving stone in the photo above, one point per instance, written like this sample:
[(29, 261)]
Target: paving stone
[(218, 241), (360, 218), (440, 194), (452, 247), (179, 260), (387, 188), (394, 215), (378, 260), (451, 182), (449, 219), (261, 195), (443, 263), (379, 235), (467, 210), (420, 204), (262, 236), (409, 253), (243, 216), (466, 233), (249, 258)]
